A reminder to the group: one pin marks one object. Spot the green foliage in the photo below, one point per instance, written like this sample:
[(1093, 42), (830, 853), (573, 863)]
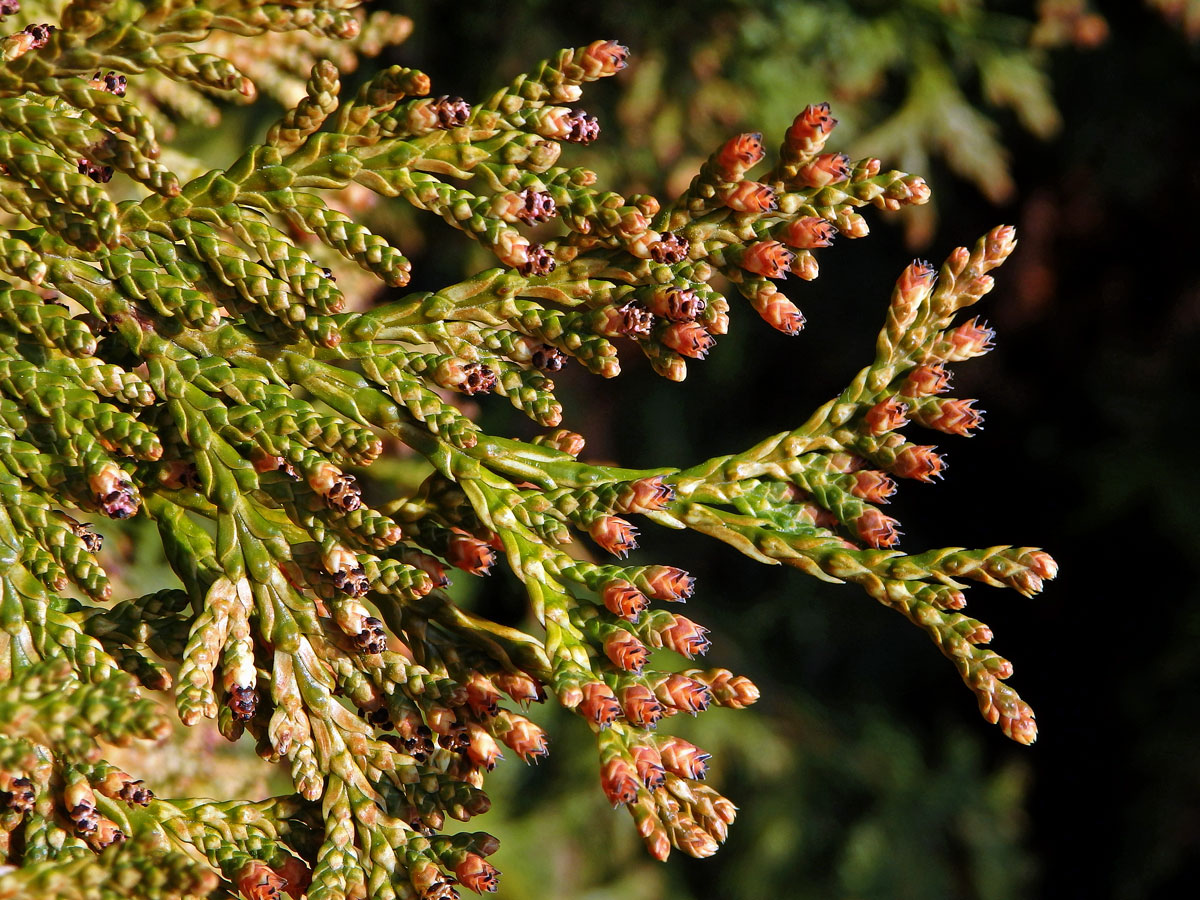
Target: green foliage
[(179, 349)]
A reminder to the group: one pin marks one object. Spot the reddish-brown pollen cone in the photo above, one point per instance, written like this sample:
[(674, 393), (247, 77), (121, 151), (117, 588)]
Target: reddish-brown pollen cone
[(687, 338), (778, 311), (526, 739), (954, 416), (641, 707), (649, 766), (482, 747), (918, 461), (873, 486), (645, 495), (828, 168), (619, 780), (482, 696), (970, 339), (601, 58), (770, 259), (599, 704), (738, 154), (886, 415), (622, 599), (614, 534), (749, 197), (684, 759), (626, 651), (477, 874), (1041, 563), (808, 232), (685, 637), (813, 124), (926, 380), (669, 583), (683, 693), (257, 881), (876, 529), (470, 554)]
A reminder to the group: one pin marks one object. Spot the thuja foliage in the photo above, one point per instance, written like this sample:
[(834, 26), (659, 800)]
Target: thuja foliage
[(183, 355)]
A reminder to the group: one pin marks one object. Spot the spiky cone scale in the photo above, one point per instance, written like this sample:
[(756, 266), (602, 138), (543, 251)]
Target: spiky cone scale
[(640, 706)]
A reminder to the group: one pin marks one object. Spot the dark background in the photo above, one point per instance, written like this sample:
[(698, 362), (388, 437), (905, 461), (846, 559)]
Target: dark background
[(865, 771)]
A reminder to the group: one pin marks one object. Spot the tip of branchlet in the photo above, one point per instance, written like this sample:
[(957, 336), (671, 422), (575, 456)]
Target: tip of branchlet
[(749, 197), (876, 529), (814, 122), (770, 259), (258, 881), (599, 704), (683, 758), (640, 705), (999, 243), (645, 495), (668, 583), (622, 599), (919, 462), (826, 169), (602, 58), (684, 694), (626, 651), (808, 233), (477, 874), (687, 338), (614, 534), (886, 415), (738, 154), (618, 778)]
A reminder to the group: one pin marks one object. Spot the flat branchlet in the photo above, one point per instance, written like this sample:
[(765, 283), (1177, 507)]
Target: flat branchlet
[(187, 356)]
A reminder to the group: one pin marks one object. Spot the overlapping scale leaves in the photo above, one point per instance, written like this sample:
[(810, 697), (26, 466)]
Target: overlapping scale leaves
[(185, 357)]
